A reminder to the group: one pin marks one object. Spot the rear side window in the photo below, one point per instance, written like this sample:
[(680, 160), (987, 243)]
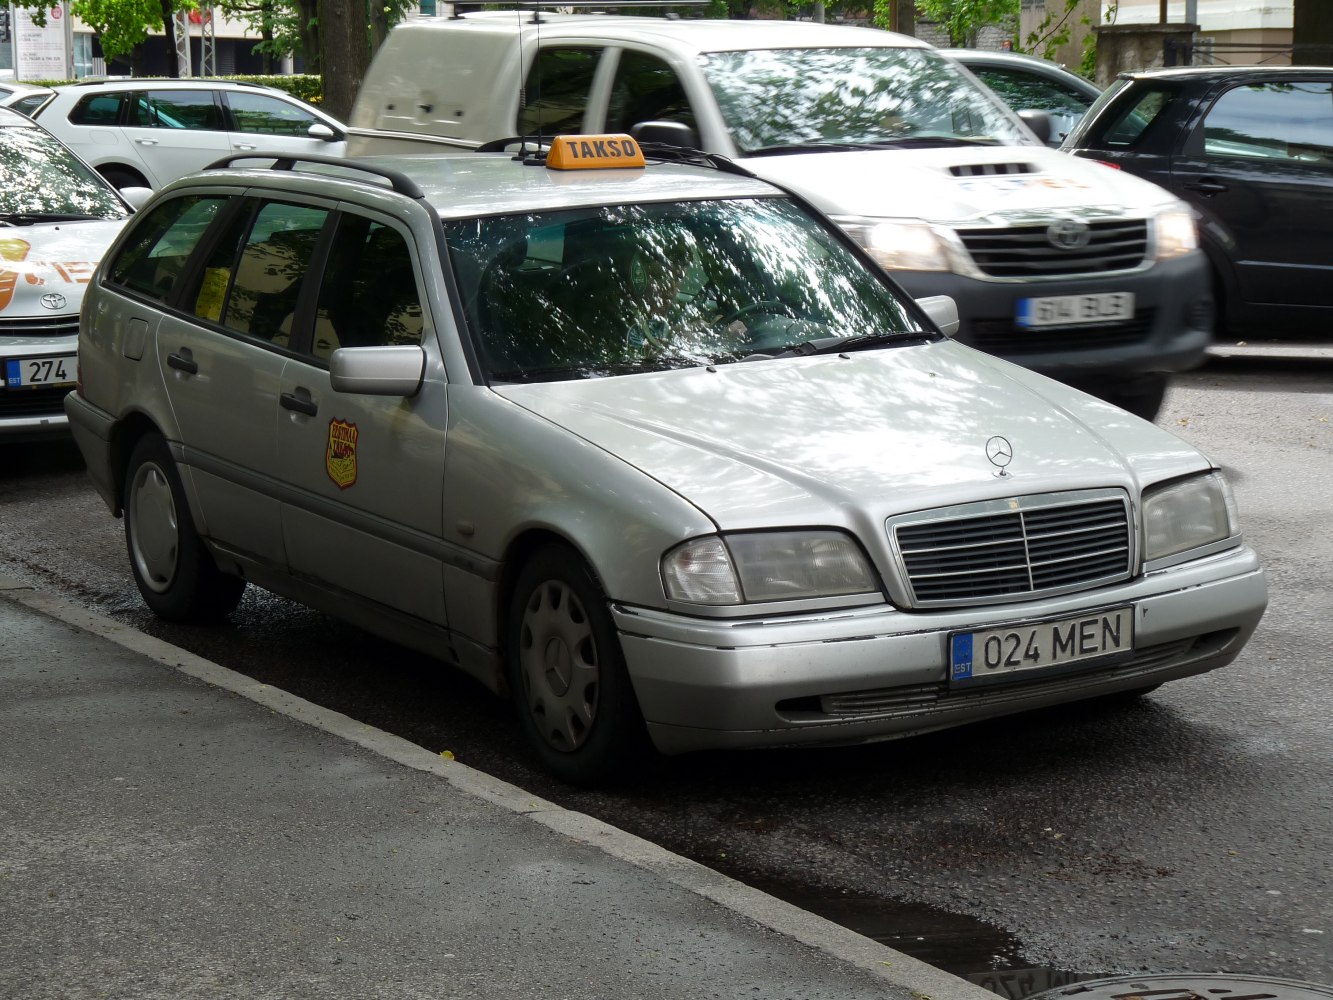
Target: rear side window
[(556, 95), (251, 285), (183, 109), (154, 255), (98, 109), (261, 114), (1286, 121)]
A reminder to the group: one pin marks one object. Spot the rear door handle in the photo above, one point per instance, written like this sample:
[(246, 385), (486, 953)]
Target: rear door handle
[(299, 401), (183, 360), (1208, 185), (246, 145)]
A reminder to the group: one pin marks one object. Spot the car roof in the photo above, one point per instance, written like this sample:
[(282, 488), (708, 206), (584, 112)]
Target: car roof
[(470, 184), (1224, 72), (695, 35), (1044, 67)]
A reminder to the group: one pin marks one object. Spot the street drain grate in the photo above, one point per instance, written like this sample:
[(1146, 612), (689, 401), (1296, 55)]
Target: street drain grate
[(1201, 986)]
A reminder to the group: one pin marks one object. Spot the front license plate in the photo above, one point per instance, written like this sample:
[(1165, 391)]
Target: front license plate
[(1074, 310), (1015, 649), (38, 373)]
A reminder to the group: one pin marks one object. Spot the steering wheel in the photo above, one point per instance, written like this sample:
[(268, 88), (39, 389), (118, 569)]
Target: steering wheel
[(773, 307)]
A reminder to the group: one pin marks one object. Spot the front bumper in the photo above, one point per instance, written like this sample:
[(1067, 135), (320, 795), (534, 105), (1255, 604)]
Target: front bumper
[(870, 674), (1171, 330)]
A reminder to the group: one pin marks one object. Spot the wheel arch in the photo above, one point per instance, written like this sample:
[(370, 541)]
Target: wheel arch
[(126, 434)]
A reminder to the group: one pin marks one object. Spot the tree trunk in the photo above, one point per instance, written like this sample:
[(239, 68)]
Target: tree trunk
[(308, 11), (906, 16), (169, 29), (344, 53), (1312, 33)]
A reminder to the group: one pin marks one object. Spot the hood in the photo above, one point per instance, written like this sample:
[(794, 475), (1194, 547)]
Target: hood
[(826, 440), (44, 269), (951, 185)]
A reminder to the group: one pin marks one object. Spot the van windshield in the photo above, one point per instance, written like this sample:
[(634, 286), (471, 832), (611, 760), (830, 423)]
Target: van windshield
[(783, 100)]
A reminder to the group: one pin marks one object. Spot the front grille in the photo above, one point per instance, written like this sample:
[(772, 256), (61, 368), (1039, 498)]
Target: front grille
[(1027, 251), (1038, 546), (1002, 337), (16, 403), (40, 326)]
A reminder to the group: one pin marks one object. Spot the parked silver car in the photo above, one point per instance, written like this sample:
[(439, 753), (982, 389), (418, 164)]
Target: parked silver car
[(653, 448)]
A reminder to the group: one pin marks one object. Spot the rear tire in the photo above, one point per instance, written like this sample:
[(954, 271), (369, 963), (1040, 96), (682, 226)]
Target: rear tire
[(174, 572), (567, 672)]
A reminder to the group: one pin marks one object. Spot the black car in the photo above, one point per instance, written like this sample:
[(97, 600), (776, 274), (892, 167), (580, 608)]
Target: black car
[(1251, 148)]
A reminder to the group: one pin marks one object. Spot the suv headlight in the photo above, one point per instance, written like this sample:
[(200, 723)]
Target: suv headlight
[(901, 244), (1186, 514), (766, 566), (1177, 233)]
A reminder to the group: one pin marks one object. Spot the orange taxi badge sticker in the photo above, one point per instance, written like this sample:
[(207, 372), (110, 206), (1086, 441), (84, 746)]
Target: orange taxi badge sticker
[(594, 152), (340, 456), (15, 250)]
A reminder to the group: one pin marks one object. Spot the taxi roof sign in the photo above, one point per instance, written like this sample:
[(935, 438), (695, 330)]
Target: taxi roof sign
[(594, 152)]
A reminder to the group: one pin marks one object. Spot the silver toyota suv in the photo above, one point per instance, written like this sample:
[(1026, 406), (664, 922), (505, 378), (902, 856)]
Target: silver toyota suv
[(651, 447)]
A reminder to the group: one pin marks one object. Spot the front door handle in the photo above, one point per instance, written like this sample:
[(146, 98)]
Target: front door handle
[(183, 360), (146, 142), (1208, 185), (299, 401)]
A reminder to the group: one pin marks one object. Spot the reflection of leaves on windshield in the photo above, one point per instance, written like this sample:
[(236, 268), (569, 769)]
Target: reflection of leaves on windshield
[(42, 178), (793, 96), (608, 291)]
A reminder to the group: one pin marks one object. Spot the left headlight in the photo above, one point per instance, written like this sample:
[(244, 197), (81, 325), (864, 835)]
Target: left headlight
[(1177, 233), (1187, 514), (766, 566), (900, 244)]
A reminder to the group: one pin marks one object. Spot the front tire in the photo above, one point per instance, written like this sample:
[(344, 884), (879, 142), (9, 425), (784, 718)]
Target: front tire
[(174, 572), (567, 673)]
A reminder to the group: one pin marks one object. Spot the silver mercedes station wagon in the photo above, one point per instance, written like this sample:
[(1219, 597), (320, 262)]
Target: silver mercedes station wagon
[(650, 447)]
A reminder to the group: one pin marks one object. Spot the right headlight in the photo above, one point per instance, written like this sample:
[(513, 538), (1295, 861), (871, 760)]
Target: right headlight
[(758, 566), (1177, 233), (900, 244), (1187, 514)]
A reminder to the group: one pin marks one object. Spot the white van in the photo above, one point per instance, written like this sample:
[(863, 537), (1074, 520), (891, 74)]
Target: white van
[(1066, 266)]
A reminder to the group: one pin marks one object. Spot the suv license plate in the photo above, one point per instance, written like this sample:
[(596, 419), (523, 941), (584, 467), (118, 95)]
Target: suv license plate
[(1075, 310), (39, 373), (1015, 649)]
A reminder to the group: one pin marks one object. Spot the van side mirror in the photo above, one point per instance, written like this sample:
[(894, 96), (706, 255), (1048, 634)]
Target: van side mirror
[(942, 310), (666, 133), (1039, 122), (378, 371)]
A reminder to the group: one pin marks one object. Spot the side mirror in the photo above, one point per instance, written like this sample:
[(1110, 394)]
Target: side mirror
[(378, 371), (321, 131), (136, 196), (667, 133), (1039, 122), (942, 311)]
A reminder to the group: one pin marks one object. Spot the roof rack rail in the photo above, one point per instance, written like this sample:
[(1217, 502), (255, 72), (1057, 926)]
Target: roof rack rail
[(399, 181), (537, 6)]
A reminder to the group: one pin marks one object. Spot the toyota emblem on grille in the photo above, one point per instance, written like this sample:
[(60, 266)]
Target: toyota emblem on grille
[(1069, 234), (53, 300), (1000, 452)]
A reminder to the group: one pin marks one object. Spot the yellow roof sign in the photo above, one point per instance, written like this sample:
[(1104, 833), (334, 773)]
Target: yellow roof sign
[(594, 152)]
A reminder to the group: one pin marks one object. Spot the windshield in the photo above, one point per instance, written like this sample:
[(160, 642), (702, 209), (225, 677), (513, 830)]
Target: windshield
[(45, 182), (774, 99), (622, 289)]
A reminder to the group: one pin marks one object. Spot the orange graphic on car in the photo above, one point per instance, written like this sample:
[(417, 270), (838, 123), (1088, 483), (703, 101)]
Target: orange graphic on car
[(340, 455), (15, 250)]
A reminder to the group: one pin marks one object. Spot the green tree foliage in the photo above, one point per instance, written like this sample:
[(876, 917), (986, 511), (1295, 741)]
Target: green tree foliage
[(962, 18)]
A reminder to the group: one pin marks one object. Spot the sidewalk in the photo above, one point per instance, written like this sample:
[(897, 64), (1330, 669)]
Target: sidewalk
[(171, 829)]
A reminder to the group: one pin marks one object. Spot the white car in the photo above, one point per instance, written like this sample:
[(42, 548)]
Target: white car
[(57, 217), (146, 133), (655, 449), (23, 97)]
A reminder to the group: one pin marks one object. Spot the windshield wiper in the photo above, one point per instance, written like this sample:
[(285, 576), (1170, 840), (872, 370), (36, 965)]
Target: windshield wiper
[(839, 345), (923, 141), (31, 218), (811, 147)]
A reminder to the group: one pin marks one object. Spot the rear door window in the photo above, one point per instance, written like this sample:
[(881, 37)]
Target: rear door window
[(556, 93)]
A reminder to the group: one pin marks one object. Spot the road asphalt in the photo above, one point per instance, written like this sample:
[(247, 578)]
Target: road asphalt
[(172, 829)]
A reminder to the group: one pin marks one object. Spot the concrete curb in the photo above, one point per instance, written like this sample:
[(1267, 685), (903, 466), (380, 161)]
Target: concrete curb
[(893, 967)]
